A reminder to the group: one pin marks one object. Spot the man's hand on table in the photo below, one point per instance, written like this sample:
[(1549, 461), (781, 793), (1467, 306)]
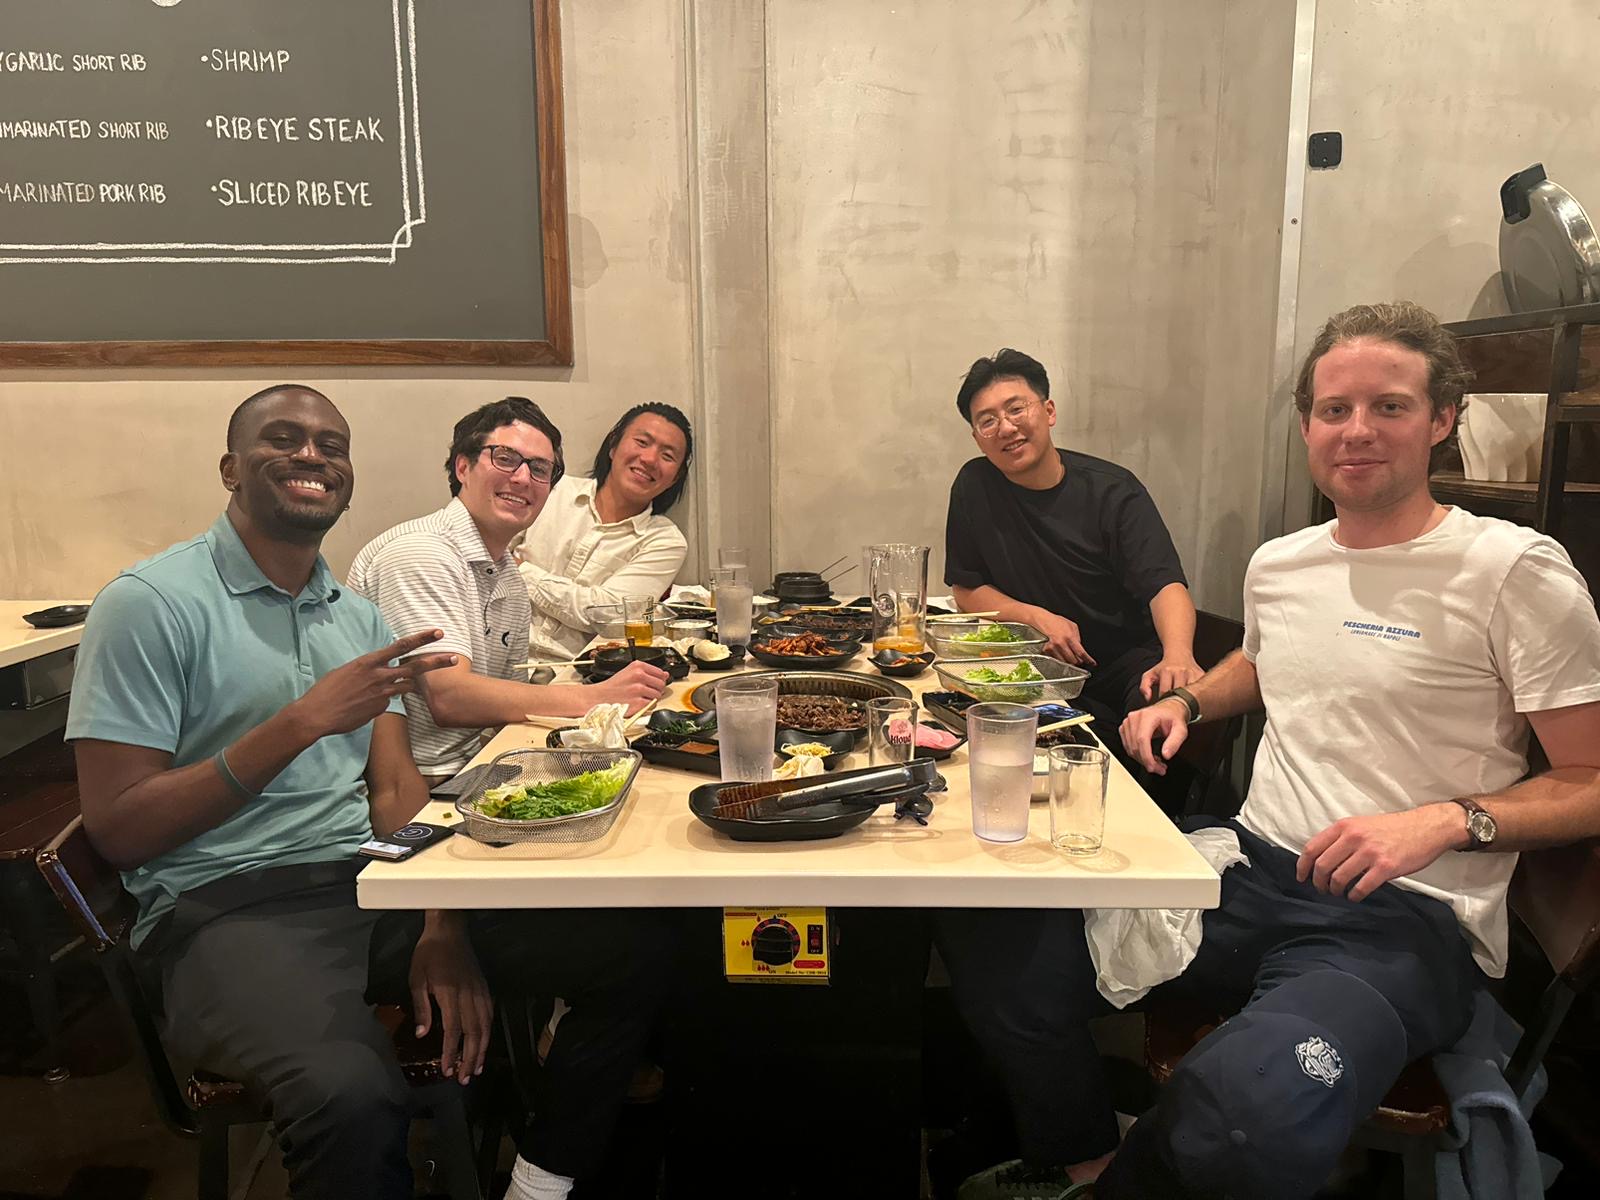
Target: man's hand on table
[(444, 971), (1358, 855), (350, 696), (1063, 639), (1166, 723), (636, 685), (1167, 674)]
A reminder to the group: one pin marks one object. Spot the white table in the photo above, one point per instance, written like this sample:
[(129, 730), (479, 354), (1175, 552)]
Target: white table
[(659, 854), (20, 641)]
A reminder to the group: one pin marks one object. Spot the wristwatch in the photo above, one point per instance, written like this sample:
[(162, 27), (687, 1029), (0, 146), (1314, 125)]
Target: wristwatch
[(1481, 827), (1184, 695)]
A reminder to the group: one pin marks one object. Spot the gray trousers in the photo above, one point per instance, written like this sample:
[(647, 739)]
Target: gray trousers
[(269, 978)]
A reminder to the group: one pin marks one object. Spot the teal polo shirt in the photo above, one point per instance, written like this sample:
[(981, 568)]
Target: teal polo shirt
[(191, 649)]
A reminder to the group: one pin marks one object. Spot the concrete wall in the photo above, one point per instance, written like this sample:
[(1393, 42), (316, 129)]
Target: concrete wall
[(1092, 181), (1437, 104), (801, 220)]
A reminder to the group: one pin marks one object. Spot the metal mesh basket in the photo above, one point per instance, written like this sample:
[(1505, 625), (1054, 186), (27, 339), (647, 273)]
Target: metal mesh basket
[(543, 766), (1061, 682), (945, 636)]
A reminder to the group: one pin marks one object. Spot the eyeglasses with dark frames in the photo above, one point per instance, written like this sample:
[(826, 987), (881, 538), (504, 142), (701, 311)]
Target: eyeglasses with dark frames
[(504, 458)]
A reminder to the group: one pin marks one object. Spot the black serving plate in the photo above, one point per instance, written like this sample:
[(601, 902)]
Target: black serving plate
[(803, 825), (58, 617), (735, 657), (835, 629), (608, 662), (844, 651), (705, 723), (900, 664), (949, 707), (687, 754), (690, 612), (840, 742)]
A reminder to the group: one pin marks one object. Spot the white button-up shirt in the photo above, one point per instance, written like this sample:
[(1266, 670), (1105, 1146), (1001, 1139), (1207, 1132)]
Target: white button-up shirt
[(572, 560), (435, 573)]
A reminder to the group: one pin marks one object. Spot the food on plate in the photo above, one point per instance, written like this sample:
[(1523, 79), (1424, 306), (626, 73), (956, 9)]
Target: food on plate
[(800, 645), (989, 633), (555, 798), (1021, 673), (710, 651), (688, 728), (806, 749), (992, 683), (824, 713), (931, 737)]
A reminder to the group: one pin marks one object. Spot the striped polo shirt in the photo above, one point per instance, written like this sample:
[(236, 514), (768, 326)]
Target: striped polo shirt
[(435, 573)]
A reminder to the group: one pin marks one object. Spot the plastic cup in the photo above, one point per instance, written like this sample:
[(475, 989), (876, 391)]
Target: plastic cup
[(1078, 776), (1000, 768), (747, 728), (735, 613), (891, 730)]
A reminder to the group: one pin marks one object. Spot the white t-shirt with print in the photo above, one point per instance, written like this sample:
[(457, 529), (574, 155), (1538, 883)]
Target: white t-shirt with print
[(1397, 677)]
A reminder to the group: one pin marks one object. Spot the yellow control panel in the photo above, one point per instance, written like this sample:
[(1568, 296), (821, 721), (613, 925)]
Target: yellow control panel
[(776, 945)]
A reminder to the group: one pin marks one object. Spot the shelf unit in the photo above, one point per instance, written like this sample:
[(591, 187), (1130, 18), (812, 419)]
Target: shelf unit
[(1557, 352)]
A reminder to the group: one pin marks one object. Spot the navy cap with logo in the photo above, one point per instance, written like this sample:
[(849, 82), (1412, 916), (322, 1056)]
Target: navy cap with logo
[(1264, 1105)]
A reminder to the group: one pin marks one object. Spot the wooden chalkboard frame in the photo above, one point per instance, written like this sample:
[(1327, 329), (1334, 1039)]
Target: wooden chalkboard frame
[(554, 350)]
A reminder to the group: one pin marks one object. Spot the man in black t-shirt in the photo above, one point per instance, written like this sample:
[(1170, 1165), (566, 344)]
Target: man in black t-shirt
[(1070, 544)]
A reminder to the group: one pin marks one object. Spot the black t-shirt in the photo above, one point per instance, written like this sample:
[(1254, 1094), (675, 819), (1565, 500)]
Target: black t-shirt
[(1092, 549)]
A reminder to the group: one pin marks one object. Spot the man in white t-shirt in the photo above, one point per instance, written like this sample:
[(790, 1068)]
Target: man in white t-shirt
[(452, 570), (605, 539), (1403, 653)]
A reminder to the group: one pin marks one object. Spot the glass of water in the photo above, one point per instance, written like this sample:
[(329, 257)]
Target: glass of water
[(747, 728), (737, 560), (891, 730), (734, 613), (1078, 776), (1000, 767)]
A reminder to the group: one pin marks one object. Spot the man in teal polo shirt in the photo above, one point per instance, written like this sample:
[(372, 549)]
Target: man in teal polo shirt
[(239, 733)]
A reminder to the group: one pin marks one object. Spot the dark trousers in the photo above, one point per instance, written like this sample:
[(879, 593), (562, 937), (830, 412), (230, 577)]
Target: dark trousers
[(270, 979), (1397, 963), (1111, 693)]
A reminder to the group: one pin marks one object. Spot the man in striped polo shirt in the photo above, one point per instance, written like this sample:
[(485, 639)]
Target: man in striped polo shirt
[(451, 570)]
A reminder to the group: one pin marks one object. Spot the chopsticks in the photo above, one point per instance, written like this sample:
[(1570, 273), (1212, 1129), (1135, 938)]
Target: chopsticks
[(570, 662)]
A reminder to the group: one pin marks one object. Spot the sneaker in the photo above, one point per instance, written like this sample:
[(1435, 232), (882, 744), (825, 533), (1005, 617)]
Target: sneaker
[(1016, 1180)]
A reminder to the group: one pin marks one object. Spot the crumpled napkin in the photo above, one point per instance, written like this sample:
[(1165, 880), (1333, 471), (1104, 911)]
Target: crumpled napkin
[(1134, 949), (799, 766), (601, 728), (690, 594)]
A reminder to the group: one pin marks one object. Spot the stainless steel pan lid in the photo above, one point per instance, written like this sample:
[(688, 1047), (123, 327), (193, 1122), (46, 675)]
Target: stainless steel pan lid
[(1549, 254)]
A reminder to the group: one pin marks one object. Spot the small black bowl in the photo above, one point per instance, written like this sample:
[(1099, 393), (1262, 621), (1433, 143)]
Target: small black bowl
[(58, 617), (900, 664), (735, 657), (705, 724), (840, 744), (608, 662)]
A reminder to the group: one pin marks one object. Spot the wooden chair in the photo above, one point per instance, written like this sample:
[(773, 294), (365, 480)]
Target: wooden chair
[(1555, 895), (207, 1105)]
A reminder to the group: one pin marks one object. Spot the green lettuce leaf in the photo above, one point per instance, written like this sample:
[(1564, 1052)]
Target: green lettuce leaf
[(557, 798)]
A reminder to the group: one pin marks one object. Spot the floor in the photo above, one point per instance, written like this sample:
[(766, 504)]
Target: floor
[(95, 1136)]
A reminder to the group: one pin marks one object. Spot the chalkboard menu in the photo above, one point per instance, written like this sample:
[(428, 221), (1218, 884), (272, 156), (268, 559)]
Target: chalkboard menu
[(281, 181)]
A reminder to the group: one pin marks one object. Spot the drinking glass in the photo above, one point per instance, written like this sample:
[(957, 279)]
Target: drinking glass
[(735, 610), (639, 617), (897, 584), (720, 576), (737, 560), (1000, 767), (747, 727), (1078, 776), (891, 730)]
